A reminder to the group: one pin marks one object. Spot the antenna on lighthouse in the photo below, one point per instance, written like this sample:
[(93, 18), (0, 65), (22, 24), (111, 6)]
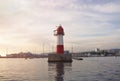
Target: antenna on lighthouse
[(59, 24)]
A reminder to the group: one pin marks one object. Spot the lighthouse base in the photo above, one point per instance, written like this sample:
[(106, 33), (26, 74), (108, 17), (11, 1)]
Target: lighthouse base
[(59, 58)]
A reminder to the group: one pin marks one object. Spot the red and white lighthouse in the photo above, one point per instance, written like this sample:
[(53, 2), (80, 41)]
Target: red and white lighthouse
[(60, 44), (59, 56)]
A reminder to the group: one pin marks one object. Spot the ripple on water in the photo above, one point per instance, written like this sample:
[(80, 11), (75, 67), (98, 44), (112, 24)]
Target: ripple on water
[(15, 80), (100, 75), (1, 76)]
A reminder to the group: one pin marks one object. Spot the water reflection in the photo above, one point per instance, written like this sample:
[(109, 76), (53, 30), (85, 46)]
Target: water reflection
[(57, 70)]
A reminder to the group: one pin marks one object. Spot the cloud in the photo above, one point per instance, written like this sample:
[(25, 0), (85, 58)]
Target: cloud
[(87, 23)]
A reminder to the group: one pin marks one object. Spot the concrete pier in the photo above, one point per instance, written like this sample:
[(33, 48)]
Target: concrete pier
[(59, 58)]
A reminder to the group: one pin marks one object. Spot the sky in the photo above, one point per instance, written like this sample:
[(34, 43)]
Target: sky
[(27, 25)]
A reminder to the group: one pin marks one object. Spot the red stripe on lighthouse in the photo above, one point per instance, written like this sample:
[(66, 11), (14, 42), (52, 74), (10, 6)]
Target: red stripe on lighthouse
[(60, 49)]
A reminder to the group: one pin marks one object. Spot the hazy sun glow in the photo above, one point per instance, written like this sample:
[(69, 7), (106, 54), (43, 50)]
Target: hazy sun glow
[(2, 53)]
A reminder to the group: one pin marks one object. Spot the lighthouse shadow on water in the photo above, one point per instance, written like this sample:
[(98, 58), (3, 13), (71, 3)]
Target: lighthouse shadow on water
[(57, 70)]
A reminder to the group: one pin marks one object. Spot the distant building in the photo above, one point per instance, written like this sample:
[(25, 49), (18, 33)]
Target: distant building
[(66, 52), (97, 50), (25, 55), (118, 53)]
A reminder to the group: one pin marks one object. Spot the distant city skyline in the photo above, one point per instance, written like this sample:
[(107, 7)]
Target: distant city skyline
[(27, 25)]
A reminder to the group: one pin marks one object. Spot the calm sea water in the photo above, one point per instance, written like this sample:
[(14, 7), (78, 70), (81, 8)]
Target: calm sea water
[(89, 69)]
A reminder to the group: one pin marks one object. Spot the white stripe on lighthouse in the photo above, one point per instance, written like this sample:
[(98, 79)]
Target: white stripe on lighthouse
[(60, 40)]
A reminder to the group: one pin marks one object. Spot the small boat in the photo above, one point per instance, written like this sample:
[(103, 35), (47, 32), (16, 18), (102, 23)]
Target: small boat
[(78, 58)]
